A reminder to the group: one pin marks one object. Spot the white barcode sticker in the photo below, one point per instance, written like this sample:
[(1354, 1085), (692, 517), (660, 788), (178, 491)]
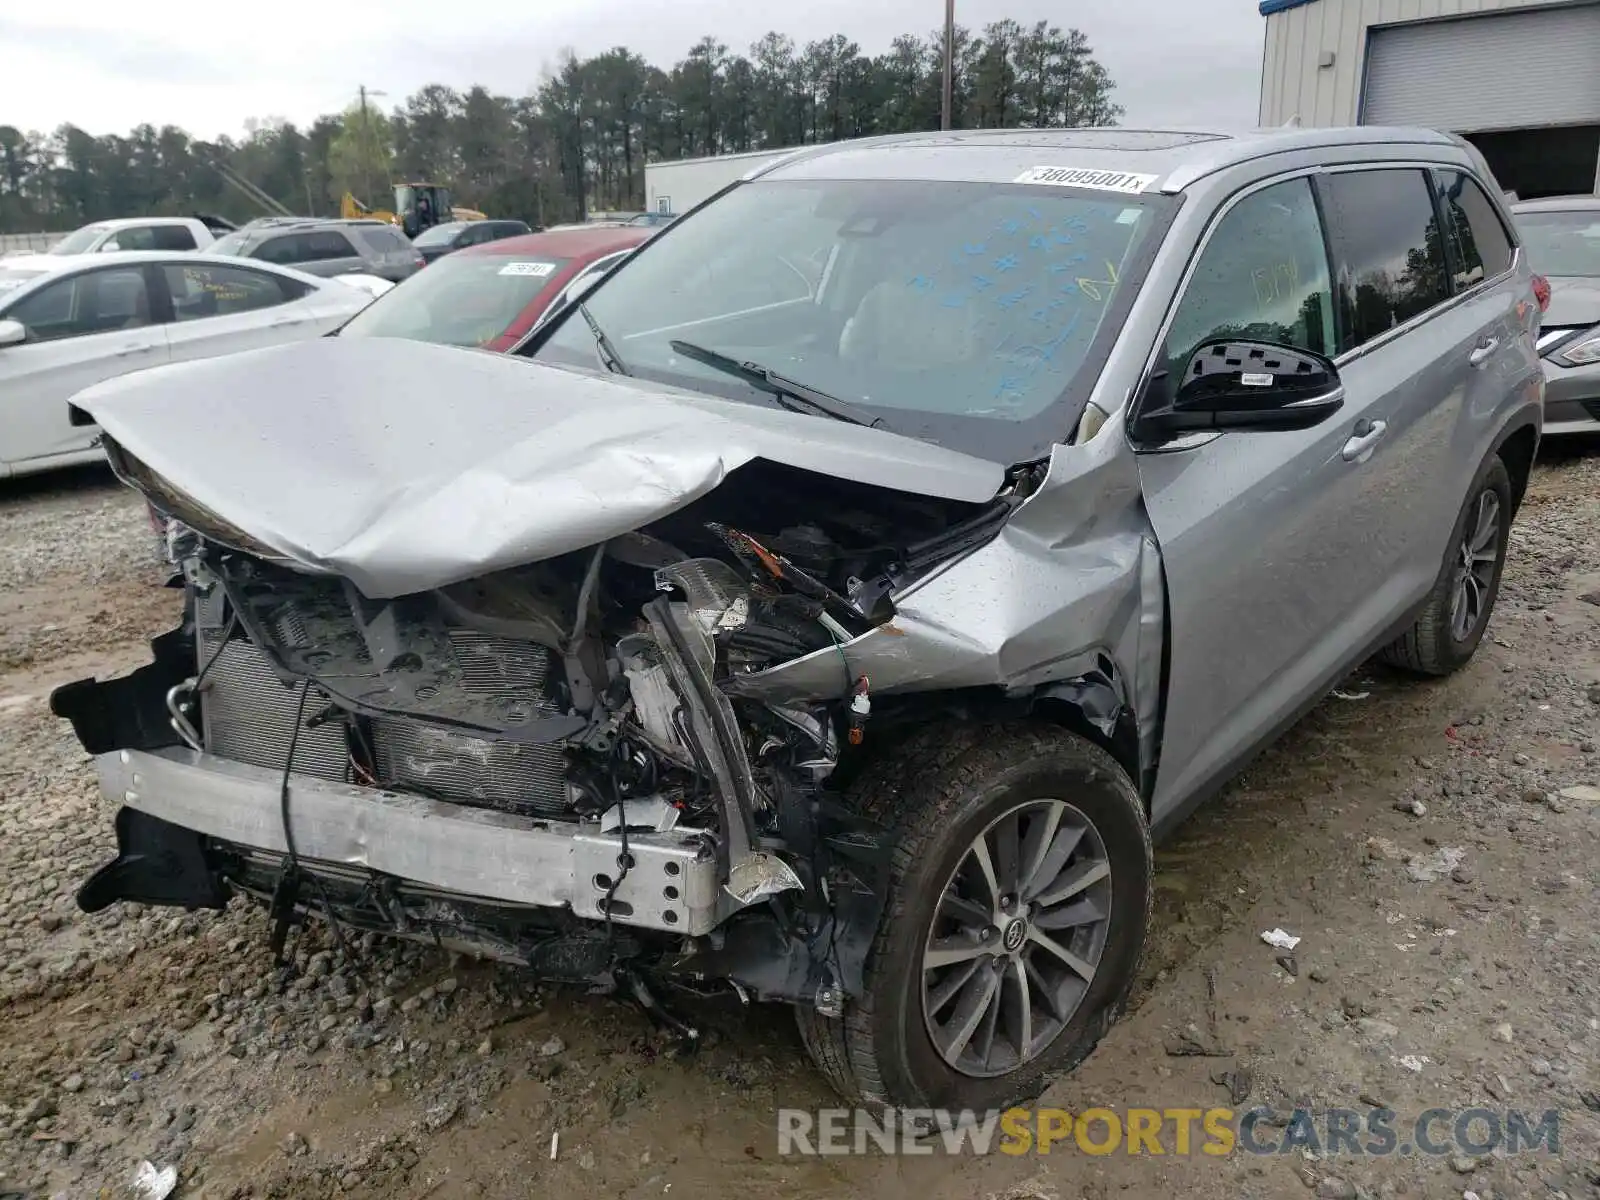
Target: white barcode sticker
[(527, 268), (1127, 182)]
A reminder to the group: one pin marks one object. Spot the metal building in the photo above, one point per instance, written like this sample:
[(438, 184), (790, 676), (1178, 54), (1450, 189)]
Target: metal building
[(1519, 78)]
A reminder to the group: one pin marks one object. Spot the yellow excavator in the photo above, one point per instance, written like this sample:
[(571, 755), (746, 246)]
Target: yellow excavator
[(417, 206)]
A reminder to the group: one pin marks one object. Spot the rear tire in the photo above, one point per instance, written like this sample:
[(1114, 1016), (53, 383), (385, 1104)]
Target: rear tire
[(1457, 611), (1051, 810)]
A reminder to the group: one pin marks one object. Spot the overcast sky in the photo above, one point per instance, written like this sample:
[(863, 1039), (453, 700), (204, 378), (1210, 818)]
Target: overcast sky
[(106, 65)]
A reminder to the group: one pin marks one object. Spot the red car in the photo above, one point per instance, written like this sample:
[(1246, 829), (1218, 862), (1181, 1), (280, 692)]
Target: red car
[(491, 295), (486, 296)]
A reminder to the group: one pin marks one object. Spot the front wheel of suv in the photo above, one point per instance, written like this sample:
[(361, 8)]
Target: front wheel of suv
[(1016, 914), (1451, 623)]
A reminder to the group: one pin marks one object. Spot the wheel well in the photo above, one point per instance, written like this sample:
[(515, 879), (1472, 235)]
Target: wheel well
[(1517, 453), (1090, 706), (1122, 743)]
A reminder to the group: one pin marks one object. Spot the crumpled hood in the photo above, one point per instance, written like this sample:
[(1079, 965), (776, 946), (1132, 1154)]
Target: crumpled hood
[(1574, 300), (405, 466)]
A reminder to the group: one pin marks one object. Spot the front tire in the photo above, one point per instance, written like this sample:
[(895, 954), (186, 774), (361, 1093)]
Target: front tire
[(1452, 622), (1018, 902)]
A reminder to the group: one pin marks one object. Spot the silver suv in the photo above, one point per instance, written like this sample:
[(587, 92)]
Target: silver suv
[(851, 587), (326, 248)]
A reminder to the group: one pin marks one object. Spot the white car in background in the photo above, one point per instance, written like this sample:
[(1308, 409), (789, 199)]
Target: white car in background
[(79, 320), (129, 233)]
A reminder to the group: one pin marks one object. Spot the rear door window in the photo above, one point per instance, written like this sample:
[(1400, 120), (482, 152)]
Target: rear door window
[(1388, 250), (172, 237), (1480, 247), (383, 241), (201, 291)]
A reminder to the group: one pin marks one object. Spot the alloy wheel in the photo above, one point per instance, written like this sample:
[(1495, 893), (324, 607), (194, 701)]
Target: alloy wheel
[(1475, 556), (1017, 936)]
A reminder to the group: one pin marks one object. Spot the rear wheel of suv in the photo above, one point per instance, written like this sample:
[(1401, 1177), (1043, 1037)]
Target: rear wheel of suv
[(1457, 610), (1019, 896)]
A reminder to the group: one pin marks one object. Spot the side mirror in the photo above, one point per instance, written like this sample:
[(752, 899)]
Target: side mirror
[(1229, 384), (12, 333), (109, 245)]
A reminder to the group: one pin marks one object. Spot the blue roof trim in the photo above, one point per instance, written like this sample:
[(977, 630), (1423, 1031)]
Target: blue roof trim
[(1268, 7)]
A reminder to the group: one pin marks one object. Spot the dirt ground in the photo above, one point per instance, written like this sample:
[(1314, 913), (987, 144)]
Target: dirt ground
[(1433, 845)]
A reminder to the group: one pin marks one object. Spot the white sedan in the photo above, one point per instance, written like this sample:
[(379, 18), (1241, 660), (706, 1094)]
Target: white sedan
[(85, 319)]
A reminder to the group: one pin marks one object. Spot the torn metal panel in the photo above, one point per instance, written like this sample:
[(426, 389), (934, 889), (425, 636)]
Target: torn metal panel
[(1067, 580), (465, 463)]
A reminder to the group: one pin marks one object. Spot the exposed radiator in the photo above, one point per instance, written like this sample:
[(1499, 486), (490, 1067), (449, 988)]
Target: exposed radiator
[(248, 716)]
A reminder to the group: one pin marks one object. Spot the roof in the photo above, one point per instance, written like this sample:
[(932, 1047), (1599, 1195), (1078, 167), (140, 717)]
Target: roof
[(685, 162), (1268, 7), (1558, 204), (565, 243), (58, 264), (1176, 158), (126, 222)]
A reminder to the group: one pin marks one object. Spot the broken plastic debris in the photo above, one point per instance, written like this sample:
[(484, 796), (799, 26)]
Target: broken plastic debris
[(152, 1184), (654, 813), (1280, 939), (758, 876), (1338, 695), (1414, 1062), (555, 1144), (1441, 862)]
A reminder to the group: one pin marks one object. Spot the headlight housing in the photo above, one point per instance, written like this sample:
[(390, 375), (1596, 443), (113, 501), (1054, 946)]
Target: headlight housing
[(1583, 354)]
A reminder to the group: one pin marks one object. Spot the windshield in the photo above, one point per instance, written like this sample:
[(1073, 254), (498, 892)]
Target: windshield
[(80, 241), (964, 313), (233, 243), (439, 235), (460, 300), (1562, 243)]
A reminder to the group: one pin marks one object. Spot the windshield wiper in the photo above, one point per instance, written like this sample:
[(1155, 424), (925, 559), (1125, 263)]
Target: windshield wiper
[(800, 397), (608, 353)]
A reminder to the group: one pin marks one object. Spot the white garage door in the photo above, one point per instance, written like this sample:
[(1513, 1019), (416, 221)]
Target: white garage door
[(1506, 71)]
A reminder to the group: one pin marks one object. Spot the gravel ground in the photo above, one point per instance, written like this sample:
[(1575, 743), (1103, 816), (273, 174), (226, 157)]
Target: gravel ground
[(1433, 845)]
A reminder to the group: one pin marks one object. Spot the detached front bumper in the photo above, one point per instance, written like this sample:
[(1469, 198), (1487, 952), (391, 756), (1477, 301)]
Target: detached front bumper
[(671, 886)]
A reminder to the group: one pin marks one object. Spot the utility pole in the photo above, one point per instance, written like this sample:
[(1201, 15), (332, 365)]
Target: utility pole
[(947, 105), (369, 149)]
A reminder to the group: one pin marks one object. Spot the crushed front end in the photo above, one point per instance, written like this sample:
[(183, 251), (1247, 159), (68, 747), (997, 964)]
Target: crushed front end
[(549, 765)]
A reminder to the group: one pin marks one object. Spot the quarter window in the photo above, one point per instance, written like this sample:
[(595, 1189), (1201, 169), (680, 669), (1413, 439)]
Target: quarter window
[(93, 302), (383, 241), (1263, 276), (1480, 247), (1387, 248)]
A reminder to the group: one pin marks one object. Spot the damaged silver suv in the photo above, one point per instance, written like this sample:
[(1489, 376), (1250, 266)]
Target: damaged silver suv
[(833, 602)]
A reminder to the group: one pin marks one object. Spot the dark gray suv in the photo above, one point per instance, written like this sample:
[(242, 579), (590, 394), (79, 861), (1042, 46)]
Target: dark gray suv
[(326, 248)]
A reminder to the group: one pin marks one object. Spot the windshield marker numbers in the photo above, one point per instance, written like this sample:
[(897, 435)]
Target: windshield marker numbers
[(1126, 182), (527, 268)]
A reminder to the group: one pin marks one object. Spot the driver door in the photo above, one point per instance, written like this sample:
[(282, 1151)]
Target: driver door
[(90, 326), (1265, 535)]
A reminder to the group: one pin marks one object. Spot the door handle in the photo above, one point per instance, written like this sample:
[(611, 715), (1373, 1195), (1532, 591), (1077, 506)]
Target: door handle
[(125, 351), (1364, 438), (1483, 351)]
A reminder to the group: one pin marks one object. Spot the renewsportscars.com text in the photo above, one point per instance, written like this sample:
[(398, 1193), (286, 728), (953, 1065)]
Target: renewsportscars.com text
[(1217, 1132)]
